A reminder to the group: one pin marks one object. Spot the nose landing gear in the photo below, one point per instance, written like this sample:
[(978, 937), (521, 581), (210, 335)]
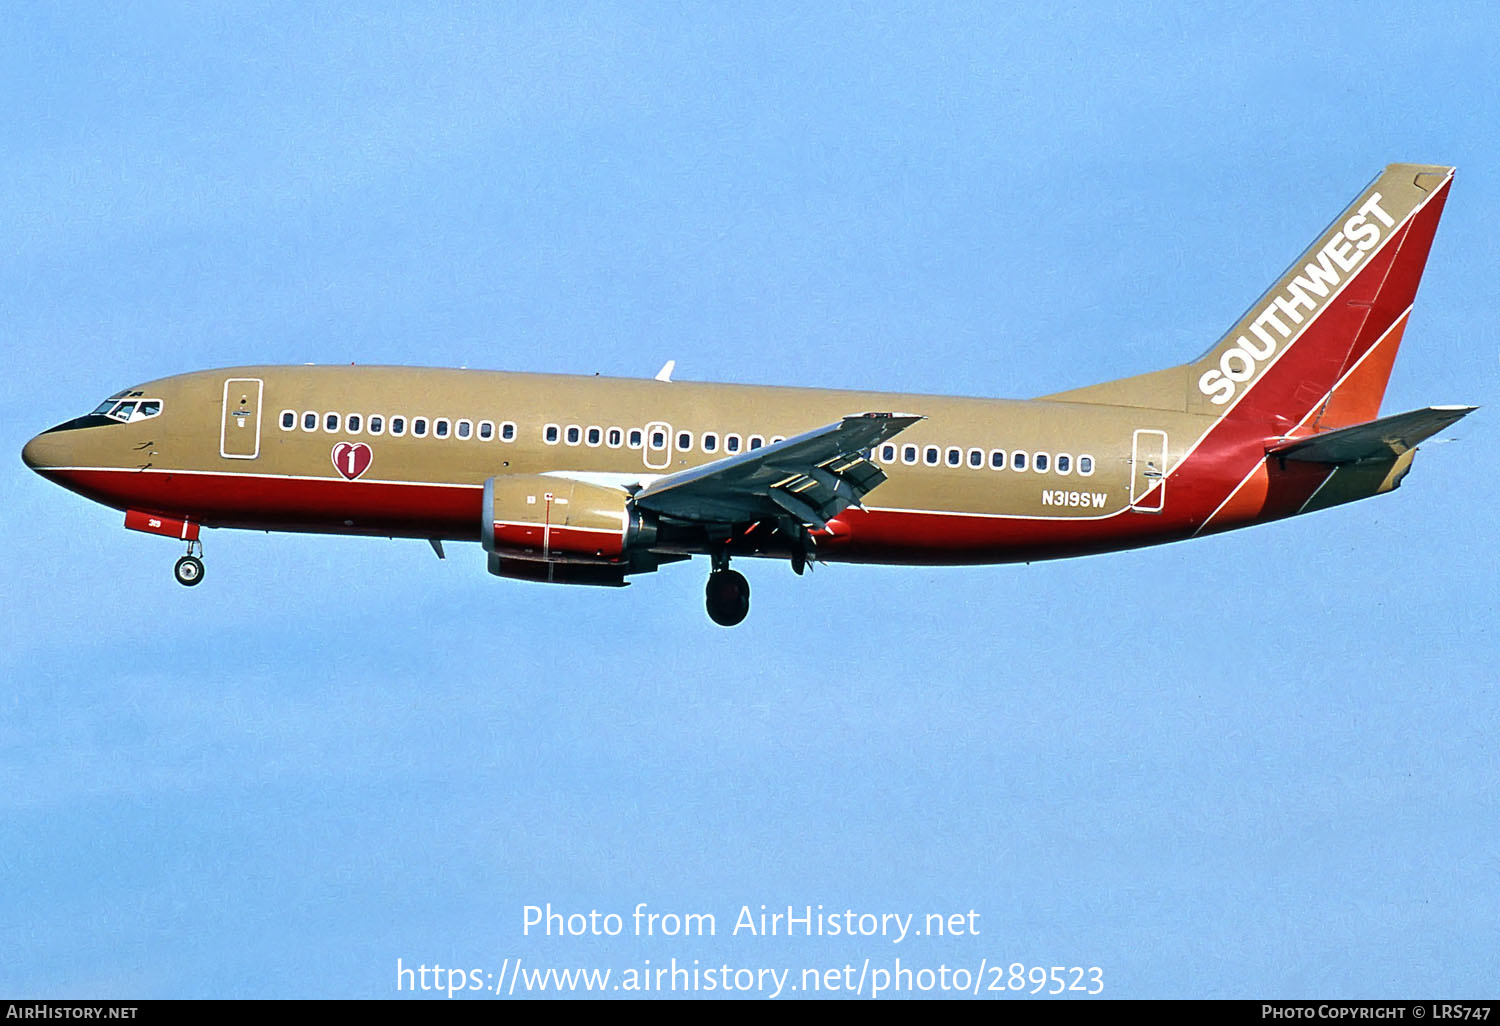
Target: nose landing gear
[(727, 594), (189, 569)]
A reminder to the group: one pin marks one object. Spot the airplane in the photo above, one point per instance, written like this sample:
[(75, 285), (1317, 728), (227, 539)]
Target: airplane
[(591, 480)]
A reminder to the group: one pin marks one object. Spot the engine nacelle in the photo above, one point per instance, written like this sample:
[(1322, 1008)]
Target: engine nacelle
[(559, 520)]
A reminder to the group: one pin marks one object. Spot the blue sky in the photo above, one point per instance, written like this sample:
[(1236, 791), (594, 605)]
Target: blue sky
[(1255, 764)]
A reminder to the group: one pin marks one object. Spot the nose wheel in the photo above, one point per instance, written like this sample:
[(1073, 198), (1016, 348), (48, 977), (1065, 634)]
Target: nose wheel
[(728, 597), (189, 569)]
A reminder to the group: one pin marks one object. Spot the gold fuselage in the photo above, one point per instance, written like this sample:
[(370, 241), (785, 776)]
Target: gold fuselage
[(220, 438)]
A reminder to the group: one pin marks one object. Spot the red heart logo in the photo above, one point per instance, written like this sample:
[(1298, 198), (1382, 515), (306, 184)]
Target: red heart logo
[(352, 458)]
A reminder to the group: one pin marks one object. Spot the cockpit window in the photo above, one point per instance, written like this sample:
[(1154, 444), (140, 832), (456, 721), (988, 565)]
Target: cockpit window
[(129, 411)]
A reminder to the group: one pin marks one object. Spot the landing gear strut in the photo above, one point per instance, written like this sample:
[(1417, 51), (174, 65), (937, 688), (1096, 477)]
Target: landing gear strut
[(189, 569), (727, 594)]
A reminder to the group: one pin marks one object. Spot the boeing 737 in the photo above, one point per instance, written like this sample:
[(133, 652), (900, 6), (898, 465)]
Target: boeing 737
[(590, 480)]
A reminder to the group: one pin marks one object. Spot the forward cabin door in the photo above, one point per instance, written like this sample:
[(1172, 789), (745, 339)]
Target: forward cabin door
[(239, 435), (1148, 469)]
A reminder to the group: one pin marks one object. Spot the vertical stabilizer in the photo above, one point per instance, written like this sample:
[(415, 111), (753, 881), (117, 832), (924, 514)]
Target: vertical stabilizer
[(1316, 349)]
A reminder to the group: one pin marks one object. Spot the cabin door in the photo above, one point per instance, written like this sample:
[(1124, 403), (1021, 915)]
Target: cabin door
[(239, 435), (1148, 470), (658, 447)]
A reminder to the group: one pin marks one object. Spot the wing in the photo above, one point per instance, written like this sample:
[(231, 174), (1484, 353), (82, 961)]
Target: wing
[(1378, 439), (812, 477)]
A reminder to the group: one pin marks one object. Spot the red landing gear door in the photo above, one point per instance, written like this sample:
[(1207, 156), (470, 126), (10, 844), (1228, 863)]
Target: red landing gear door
[(154, 523)]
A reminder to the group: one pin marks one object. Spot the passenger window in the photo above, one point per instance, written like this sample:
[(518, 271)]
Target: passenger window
[(464, 429), (1064, 463), (614, 438), (1039, 463), (776, 439), (997, 459), (636, 437), (440, 427), (1085, 465), (930, 457), (756, 441), (331, 422), (658, 439), (309, 422), (955, 457), (574, 434), (976, 458), (398, 426), (596, 435), (909, 454), (549, 434), (419, 427), (351, 423), (288, 420), (377, 424), (1018, 460), (508, 431), (684, 441), (888, 454), (732, 443), (710, 442)]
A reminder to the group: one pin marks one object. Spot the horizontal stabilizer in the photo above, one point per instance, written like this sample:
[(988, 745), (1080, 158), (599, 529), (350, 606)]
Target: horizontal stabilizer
[(1377, 440)]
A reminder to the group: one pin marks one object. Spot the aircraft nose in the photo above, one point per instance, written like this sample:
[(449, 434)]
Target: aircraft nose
[(41, 453)]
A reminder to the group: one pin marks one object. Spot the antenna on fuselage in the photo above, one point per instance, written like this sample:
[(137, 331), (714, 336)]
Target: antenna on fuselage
[(665, 374)]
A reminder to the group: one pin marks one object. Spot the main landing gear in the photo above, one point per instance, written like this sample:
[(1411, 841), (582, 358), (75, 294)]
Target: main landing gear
[(727, 594), (189, 569)]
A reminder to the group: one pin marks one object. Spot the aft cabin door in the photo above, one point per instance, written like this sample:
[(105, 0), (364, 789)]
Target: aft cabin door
[(239, 436), (1148, 469)]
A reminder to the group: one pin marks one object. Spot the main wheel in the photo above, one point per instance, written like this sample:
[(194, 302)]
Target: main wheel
[(188, 571), (728, 597)]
